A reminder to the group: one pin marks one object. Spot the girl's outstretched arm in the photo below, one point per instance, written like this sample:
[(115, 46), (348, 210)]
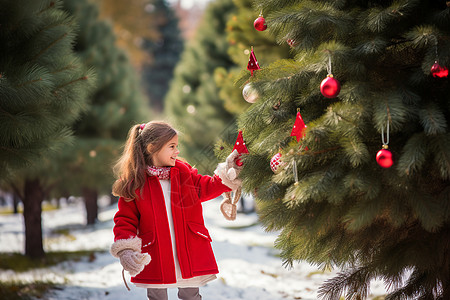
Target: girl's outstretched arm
[(210, 187), (207, 187)]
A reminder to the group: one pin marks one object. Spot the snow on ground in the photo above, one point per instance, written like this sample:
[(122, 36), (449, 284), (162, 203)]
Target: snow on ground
[(248, 264)]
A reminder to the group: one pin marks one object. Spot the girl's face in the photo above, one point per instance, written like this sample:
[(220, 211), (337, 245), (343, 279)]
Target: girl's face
[(167, 155)]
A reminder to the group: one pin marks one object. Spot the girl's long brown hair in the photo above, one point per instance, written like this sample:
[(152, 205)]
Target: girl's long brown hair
[(141, 144)]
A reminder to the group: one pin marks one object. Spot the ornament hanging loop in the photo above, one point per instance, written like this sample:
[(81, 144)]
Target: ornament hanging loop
[(435, 47), (329, 64), (385, 142), (384, 156), (294, 171)]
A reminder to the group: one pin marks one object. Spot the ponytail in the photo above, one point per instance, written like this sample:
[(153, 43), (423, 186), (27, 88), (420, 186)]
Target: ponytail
[(142, 141), (130, 168)]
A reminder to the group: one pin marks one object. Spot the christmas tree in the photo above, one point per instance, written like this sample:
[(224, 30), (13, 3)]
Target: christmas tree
[(43, 89), (192, 104), (368, 77)]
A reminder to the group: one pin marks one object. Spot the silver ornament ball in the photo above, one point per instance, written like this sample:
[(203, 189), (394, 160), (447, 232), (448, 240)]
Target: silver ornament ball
[(249, 93)]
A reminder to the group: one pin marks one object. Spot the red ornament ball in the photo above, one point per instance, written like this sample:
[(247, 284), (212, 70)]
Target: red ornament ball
[(438, 71), (384, 158), (238, 160), (276, 162), (330, 87), (260, 23)]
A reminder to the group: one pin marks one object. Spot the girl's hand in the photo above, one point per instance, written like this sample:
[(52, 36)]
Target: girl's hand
[(133, 261), (233, 169), (229, 171)]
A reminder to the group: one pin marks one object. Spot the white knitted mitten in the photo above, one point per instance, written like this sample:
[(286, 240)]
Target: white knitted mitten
[(133, 261), (229, 171)]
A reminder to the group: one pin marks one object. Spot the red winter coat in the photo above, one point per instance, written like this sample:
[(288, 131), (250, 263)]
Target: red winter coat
[(146, 218)]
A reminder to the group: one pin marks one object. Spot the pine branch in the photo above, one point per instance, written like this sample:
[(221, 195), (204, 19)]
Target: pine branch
[(343, 117), (355, 282), (412, 289), (50, 6), (318, 152), (49, 46), (17, 153), (68, 83), (27, 83), (441, 145), (388, 112), (6, 113), (68, 67)]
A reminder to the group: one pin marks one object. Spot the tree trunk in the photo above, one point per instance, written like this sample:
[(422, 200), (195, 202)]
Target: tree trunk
[(16, 201), (113, 199), (32, 210), (58, 203), (90, 200)]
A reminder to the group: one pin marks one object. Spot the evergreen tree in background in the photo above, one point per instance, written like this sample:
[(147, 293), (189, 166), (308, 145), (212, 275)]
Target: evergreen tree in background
[(43, 89), (116, 104), (133, 23), (192, 103), (346, 211), (165, 52)]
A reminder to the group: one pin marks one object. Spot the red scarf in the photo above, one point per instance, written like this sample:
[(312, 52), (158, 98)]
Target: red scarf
[(160, 172)]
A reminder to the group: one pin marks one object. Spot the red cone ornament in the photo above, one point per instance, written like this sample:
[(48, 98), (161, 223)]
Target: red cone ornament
[(275, 162), (299, 127), (240, 146), (252, 63), (384, 157), (260, 23), (438, 71), (330, 87)]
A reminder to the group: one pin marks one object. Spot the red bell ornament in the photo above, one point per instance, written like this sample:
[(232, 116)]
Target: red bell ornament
[(384, 157), (438, 71), (260, 23), (330, 87)]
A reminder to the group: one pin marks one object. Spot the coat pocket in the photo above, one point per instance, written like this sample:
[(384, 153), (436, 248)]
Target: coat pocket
[(148, 239), (200, 230)]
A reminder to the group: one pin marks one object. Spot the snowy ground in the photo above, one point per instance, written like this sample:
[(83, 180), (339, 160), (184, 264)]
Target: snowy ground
[(248, 263)]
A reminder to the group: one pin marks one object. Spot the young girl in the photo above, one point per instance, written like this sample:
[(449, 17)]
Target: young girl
[(159, 232)]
